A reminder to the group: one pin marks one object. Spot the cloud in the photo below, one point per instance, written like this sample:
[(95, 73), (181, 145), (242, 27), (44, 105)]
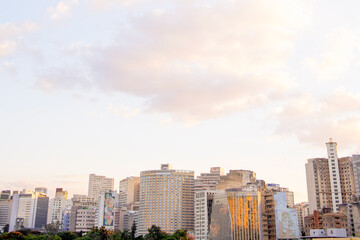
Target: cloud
[(62, 9), (197, 61), (339, 53), (314, 120), (11, 36), (61, 78), (123, 111)]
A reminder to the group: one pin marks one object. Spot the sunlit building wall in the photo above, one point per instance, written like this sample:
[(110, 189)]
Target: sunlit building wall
[(166, 199), (236, 215)]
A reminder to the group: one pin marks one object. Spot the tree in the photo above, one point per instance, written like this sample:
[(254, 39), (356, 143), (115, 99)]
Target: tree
[(155, 233), (133, 231), (67, 235), (53, 228)]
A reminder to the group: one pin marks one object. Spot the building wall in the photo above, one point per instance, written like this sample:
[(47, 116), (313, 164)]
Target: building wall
[(356, 170), (166, 200), (236, 179), (97, 184), (129, 191), (236, 215), (203, 210), (5, 211)]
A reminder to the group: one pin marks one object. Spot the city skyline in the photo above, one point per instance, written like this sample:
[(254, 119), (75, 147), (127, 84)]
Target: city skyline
[(118, 87)]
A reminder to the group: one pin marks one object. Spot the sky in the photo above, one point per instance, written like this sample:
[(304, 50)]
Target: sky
[(115, 87)]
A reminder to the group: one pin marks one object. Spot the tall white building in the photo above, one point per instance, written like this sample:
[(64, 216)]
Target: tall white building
[(129, 191), (31, 207), (166, 199), (302, 210), (203, 209), (334, 174), (57, 206), (98, 184), (208, 181)]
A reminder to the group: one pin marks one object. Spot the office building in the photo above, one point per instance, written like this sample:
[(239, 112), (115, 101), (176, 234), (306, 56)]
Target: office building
[(236, 215), (105, 211), (83, 213), (57, 206), (356, 170), (330, 182), (302, 210), (166, 199), (208, 181), (5, 208), (289, 194), (30, 208), (325, 220), (203, 209), (98, 184), (236, 179), (279, 221), (352, 212), (129, 191)]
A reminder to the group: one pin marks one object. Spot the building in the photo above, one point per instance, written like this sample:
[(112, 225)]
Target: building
[(29, 207), (130, 218), (356, 170), (166, 199), (236, 179), (236, 215), (105, 211), (82, 218), (302, 210), (66, 218), (57, 206), (205, 186), (129, 191), (279, 221), (330, 182), (203, 209), (352, 211), (208, 181), (42, 190), (5, 208), (325, 220), (82, 213), (98, 184), (289, 194)]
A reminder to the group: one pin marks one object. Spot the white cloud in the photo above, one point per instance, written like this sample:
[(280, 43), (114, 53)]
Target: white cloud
[(339, 53), (11, 36), (62, 9), (196, 61), (314, 120), (124, 111)]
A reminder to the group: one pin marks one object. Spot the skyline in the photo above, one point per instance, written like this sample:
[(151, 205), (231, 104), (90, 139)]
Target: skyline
[(118, 87)]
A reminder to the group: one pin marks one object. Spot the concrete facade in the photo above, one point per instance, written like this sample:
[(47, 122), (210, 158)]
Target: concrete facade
[(98, 184)]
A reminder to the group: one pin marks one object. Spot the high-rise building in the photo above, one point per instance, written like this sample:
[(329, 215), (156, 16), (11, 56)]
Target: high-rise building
[(236, 179), (356, 169), (57, 206), (302, 210), (98, 184), (129, 191), (105, 211), (5, 208), (203, 209), (83, 213), (208, 181), (279, 221), (352, 212), (236, 215), (289, 194), (166, 199), (205, 186), (29, 207), (330, 182)]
